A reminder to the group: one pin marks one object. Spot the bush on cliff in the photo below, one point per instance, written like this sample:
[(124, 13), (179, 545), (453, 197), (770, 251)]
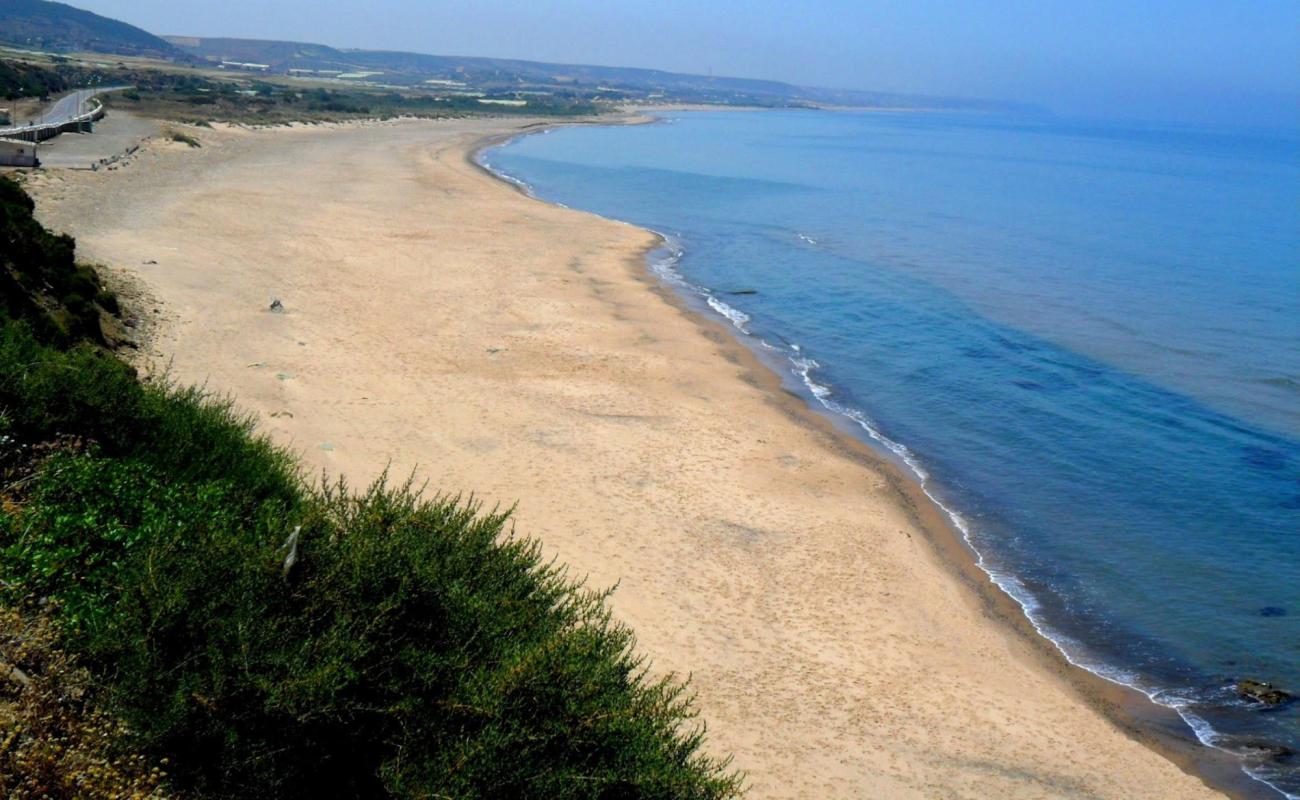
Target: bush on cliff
[(277, 639), (40, 281)]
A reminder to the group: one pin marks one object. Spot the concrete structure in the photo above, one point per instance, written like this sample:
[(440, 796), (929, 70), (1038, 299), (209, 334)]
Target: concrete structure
[(78, 111), (17, 153), (39, 132)]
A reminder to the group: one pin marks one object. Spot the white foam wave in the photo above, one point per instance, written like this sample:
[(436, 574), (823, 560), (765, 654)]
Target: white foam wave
[(738, 318), (1071, 649), (663, 264), (482, 160)]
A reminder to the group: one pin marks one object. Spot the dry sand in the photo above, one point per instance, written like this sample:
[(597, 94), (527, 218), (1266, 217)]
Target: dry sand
[(439, 321)]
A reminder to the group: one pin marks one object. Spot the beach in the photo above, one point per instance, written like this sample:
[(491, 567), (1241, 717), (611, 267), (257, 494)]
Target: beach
[(438, 323)]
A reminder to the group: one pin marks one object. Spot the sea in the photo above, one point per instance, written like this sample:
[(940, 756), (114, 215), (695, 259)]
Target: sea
[(1081, 338)]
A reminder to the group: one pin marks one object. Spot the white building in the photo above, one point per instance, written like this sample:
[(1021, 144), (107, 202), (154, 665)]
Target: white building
[(15, 153)]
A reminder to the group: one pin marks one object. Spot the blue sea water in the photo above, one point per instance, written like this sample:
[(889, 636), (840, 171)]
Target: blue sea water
[(1084, 339)]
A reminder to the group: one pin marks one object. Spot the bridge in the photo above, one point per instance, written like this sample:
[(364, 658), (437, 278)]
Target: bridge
[(76, 111)]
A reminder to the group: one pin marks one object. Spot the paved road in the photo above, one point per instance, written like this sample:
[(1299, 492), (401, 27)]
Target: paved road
[(65, 109)]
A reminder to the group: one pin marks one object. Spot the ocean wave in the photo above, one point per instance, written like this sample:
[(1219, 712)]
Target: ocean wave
[(1073, 650), (737, 317), (804, 367), (1282, 382), (482, 161), (664, 263)]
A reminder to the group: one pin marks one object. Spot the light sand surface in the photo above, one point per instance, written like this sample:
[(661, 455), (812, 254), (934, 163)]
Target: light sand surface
[(114, 136), (439, 321)]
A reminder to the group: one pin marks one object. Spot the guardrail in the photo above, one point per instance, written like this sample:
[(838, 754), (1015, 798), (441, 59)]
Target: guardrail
[(42, 131)]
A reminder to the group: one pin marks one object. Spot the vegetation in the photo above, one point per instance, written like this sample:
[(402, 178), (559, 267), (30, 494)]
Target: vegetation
[(20, 79), (53, 742), (274, 638), (40, 281), (183, 138), (185, 94), (191, 97), (56, 26)]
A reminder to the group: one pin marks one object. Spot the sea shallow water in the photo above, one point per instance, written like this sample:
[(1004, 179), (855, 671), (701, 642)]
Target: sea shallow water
[(1082, 338)]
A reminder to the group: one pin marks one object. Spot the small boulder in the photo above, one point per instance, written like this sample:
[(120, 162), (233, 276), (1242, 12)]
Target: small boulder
[(1261, 692), (276, 305)]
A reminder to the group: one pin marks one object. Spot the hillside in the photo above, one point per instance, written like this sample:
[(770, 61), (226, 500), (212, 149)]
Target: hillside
[(20, 79), (49, 26), (41, 25), (465, 74)]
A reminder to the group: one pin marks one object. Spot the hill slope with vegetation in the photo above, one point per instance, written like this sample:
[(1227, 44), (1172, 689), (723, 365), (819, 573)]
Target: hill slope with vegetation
[(261, 636), (585, 81), (21, 79), (43, 25)]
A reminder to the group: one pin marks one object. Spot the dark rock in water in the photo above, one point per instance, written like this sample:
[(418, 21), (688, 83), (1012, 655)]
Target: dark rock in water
[(742, 291), (1268, 750), (1261, 692), (1272, 611)]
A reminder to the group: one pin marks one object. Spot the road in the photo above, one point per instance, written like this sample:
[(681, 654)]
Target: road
[(65, 109)]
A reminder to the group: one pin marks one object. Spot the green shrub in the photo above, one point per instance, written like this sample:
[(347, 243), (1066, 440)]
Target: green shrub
[(414, 650), (183, 138), (54, 743), (274, 639), (87, 393), (108, 301), (40, 281)]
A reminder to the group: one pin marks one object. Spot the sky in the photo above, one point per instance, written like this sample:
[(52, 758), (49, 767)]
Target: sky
[(1224, 61)]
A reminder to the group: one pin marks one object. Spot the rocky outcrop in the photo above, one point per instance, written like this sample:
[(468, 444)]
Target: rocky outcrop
[(1261, 692)]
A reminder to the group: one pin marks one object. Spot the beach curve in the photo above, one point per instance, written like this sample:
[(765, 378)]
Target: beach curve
[(439, 322)]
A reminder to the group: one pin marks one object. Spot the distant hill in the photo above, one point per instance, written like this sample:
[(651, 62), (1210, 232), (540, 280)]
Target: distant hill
[(42, 25), (463, 74)]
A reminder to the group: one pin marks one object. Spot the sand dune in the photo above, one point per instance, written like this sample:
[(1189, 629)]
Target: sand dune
[(438, 321)]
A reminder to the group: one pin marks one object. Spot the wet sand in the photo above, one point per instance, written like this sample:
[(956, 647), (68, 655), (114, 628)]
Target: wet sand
[(437, 321)]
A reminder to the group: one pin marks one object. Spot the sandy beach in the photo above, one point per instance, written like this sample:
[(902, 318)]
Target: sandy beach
[(439, 323)]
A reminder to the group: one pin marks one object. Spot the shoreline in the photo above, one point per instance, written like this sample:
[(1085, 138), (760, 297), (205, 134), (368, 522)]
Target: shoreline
[(804, 621), (1129, 709)]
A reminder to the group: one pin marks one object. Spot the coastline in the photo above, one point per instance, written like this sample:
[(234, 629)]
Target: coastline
[(1132, 712), (959, 768)]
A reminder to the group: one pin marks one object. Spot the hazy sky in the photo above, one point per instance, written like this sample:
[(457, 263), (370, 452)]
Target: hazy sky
[(1199, 60)]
